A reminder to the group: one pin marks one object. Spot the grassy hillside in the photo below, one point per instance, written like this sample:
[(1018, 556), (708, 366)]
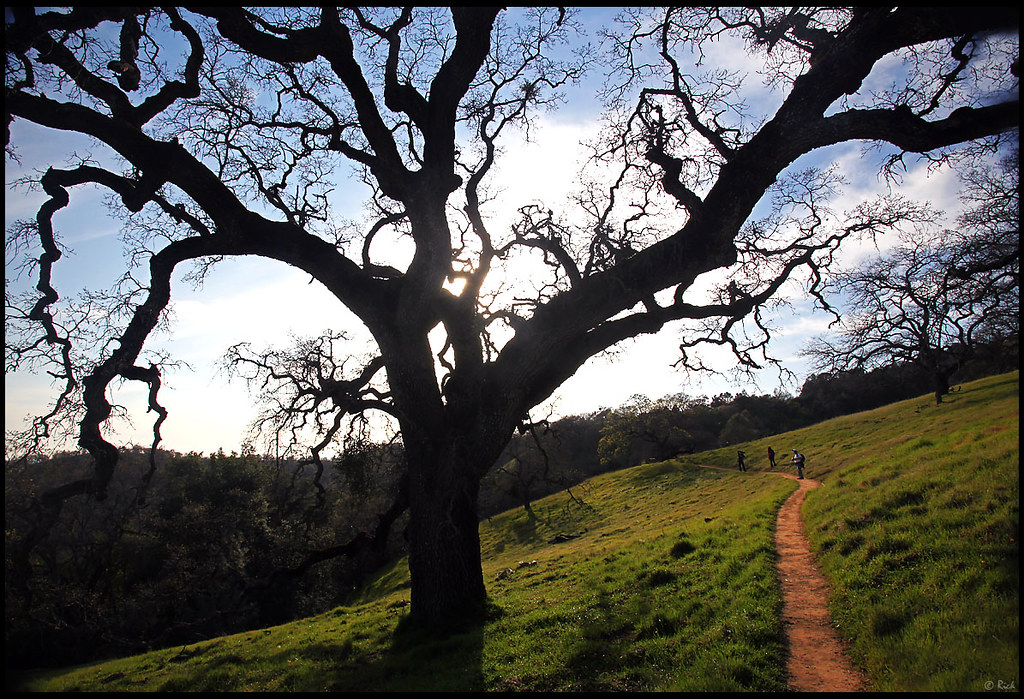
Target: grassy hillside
[(917, 529), (661, 577)]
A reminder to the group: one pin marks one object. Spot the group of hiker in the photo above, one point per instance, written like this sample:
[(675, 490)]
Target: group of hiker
[(798, 461)]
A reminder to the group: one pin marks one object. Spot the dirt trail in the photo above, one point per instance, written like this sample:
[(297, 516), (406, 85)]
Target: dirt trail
[(817, 658)]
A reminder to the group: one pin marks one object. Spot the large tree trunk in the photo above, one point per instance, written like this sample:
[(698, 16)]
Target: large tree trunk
[(443, 537), (450, 441)]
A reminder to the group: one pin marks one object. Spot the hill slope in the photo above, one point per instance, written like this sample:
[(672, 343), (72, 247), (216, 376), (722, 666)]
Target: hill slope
[(662, 577)]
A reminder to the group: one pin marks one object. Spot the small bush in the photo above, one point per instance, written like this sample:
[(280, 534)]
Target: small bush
[(658, 577), (681, 548)]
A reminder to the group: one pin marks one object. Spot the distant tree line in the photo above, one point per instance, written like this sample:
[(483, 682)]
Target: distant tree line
[(550, 457), (228, 542)]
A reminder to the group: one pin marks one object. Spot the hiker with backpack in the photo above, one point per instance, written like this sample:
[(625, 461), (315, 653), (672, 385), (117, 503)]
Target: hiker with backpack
[(798, 461)]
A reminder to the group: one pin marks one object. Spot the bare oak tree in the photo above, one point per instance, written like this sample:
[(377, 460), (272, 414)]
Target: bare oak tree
[(933, 300), (229, 128)]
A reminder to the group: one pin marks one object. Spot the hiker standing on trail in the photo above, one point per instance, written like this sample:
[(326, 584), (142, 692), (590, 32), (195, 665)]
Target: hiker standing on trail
[(739, 460), (798, 461), (771, 456)]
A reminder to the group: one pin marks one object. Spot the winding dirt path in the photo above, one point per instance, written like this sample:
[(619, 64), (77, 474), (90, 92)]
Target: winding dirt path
[(817, 660)]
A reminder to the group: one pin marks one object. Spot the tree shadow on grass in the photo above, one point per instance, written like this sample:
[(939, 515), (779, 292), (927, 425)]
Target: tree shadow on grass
[(440, 659), (421, 659), (402, 658)]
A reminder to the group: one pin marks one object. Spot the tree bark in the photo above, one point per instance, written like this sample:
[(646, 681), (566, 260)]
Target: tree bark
[(443, 537)]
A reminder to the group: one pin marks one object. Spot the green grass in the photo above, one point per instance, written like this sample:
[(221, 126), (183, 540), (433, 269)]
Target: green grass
[(917, 530), (922, 542), (661, 577)]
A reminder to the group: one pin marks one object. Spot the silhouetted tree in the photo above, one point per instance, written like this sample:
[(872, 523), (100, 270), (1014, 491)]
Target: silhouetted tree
[(234, 148), (934, 302)]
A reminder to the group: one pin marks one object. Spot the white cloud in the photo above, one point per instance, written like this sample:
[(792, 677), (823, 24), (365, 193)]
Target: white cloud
[(253, 300), (544, 169)]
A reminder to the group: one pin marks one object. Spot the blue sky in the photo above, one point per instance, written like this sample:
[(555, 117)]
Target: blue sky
[(264, 302)]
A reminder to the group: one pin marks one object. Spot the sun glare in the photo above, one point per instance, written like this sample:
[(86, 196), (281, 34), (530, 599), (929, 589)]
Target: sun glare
[(455, 286)]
